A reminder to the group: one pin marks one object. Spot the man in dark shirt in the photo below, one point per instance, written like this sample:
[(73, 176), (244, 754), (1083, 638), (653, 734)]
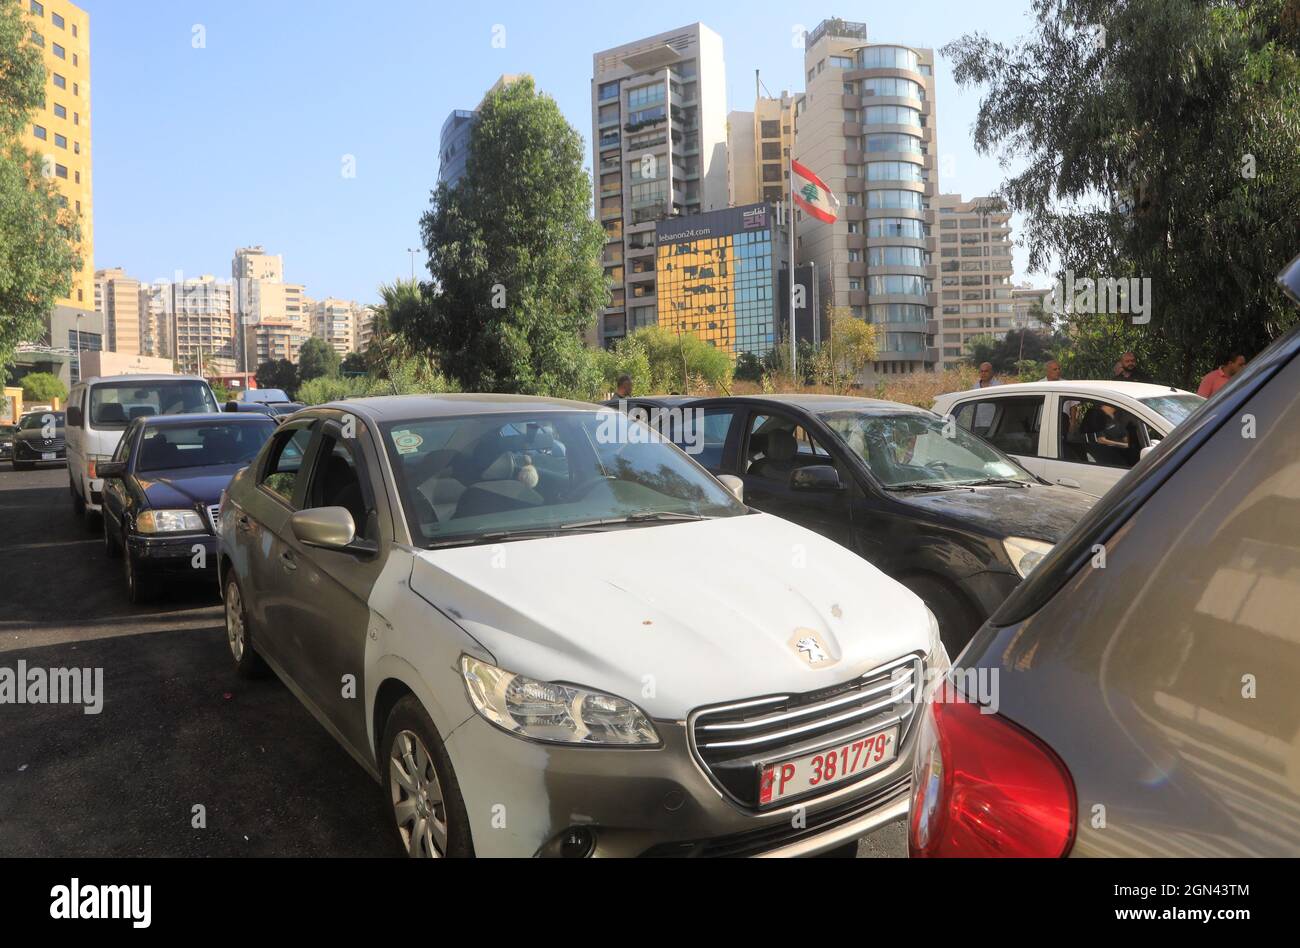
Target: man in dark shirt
[(1126, 369)]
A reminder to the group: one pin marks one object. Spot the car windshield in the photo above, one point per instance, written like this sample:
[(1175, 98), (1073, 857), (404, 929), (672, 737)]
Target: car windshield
[(904, 449), (1174, 408), (169, 448), (117, 404), (482, 478), (39, 419)]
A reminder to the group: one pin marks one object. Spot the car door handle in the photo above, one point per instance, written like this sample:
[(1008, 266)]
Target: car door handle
[(1068, 482), (287, 561)]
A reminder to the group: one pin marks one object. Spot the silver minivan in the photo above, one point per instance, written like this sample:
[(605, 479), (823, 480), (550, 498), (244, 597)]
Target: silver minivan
[(98, 411)]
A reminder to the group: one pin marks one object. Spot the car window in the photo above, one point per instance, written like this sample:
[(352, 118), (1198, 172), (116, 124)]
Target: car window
[(704, 434), (285, 462), (124, 446), (114, 405), (1173, 408), (777, 444), (212, 444), (337, 482), (1098, 433), (1011, 424)]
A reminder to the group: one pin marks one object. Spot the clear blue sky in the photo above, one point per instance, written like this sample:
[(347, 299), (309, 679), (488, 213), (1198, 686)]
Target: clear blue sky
[(200, 151)]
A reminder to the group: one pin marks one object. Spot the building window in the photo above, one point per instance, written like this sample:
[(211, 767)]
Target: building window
[(60, 111), (37, 8), (76, 148), (608, 90), (841, 62), (56, 20), (769, 129), (39, 132), (59, 51), (76, 118), (60, 82), (60, 141), (76, 175), (76, 89)]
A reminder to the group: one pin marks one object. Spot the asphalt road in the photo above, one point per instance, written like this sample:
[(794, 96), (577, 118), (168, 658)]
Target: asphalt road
[(178, 730)]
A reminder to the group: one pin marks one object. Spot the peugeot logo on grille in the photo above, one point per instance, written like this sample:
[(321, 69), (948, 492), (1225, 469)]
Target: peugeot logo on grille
[(811, 648)]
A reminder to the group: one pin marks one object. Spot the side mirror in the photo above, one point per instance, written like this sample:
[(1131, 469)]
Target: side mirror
[(330, 528), (232, 406), (111, 470), (734, 484), (816, 477), (1148, 449)]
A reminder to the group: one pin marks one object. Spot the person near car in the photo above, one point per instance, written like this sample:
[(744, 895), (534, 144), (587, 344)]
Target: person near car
[(1053, 369), (986, 376), (624, 387), (1228, 366), (1127, 369)]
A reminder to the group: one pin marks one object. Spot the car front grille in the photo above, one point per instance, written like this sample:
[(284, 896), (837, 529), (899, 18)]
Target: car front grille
[(214, 515), (38, 447), (731, 741)]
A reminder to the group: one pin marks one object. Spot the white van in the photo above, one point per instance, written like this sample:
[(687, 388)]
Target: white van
[(99, 409)]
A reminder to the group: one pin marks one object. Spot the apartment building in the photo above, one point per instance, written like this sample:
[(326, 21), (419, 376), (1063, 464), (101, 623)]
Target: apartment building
[(156, 328), (1031, 308), (975, 291), (117, 299), (758, 151), (866, 126), (659, 133), (343, 324), (453, 142), (204, 325)]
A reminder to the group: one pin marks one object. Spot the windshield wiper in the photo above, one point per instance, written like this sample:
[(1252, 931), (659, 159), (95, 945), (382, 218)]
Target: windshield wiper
[(996, 482), (524, 533), (927, 486)]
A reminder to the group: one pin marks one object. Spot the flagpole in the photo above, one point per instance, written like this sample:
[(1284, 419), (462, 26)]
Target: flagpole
[(793, 349)]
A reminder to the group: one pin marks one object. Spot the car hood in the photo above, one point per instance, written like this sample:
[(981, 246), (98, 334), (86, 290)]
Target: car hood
[(1040, 512), (34, 434), (185, 488), (674, 616)]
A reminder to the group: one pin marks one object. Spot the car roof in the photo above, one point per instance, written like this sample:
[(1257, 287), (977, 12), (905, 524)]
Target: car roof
[(159, 377), (820, 403), (1097, 386), (173, 421), (384, 408)]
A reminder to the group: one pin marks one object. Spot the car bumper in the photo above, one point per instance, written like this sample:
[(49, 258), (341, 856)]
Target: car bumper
[(523, 798), (178, 555), (28, 455)]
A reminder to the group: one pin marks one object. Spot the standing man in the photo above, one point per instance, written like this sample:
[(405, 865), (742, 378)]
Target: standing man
[(986, 376), (1215, 379), (1053, 371), (624, 389), (1126, 369)]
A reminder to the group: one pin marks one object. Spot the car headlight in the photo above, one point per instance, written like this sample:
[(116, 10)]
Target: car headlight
[(545, 711), (169, 521), (1025, 554)]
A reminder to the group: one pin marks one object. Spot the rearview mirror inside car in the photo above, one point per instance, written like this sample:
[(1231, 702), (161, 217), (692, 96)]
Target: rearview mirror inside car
[(816, 477)]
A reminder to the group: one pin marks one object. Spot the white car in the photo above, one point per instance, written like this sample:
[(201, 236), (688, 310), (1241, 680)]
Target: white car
[(98, 411), (1081, 434), (547, 633)]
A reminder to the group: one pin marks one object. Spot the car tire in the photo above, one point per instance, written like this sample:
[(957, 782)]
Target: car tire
[(112, 547), (958, 622), (140, 586), (419, 782), (248, 663), (78, 502)]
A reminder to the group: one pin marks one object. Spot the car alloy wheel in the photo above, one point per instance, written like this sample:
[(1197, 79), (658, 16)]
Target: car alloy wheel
[(235, 622), (418, 805)]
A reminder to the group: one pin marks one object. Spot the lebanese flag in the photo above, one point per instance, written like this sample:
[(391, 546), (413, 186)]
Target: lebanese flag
[(811, 193)]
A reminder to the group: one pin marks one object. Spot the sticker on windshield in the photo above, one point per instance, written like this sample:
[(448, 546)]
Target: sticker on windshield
[(407, 442)]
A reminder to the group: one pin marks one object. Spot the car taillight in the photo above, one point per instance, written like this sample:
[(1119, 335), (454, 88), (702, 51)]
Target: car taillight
[(90, 469), (982, 786)]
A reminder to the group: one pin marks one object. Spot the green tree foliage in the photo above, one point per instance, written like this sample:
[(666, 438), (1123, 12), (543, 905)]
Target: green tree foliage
[(515, 256), (1017, 345), (414, 375), (279, 373), (38, 232), (43, 387), (662, 362), (222, 393), (1158, 140), (318, 359), (354, 363)]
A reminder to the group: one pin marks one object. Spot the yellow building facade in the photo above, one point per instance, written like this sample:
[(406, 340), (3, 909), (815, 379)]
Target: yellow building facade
[(59, 132)]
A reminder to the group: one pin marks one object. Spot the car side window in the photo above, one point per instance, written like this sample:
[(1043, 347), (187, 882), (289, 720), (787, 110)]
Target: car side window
[(777, 445), (1098, 433), (1011, 424), (704, 438), (124, 445), (336, 482), (284, 463)]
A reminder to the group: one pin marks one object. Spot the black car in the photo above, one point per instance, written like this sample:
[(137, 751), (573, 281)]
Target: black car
[(277, 410), (162, 491), (7, 433), (39, 440), (942, 511)]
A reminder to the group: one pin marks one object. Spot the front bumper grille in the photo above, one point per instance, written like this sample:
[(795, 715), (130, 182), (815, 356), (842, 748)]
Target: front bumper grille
[(214, 516), (732, 741), (34, 449)]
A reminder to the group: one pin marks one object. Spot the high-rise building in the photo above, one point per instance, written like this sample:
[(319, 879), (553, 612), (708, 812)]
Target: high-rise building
[(453, 142), (975, 291), (866, 127), (204, 324), (156, 328), (758, 151), (659, 132), (1031, 308), (342, 324), (117, 298)]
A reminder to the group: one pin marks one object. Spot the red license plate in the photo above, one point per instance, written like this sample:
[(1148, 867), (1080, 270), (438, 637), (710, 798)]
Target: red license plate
[(800, 775)]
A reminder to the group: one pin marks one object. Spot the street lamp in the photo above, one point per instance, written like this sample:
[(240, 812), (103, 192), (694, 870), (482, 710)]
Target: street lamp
[(412, 251)]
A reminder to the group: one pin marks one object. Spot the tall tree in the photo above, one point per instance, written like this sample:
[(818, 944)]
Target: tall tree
[(278, 373), (514, 254), (318, 359), (1159, 141), (38, 231)]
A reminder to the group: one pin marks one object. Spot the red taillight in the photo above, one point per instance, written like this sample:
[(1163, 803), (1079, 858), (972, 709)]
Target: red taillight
[(90, 469), (981, 786)]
